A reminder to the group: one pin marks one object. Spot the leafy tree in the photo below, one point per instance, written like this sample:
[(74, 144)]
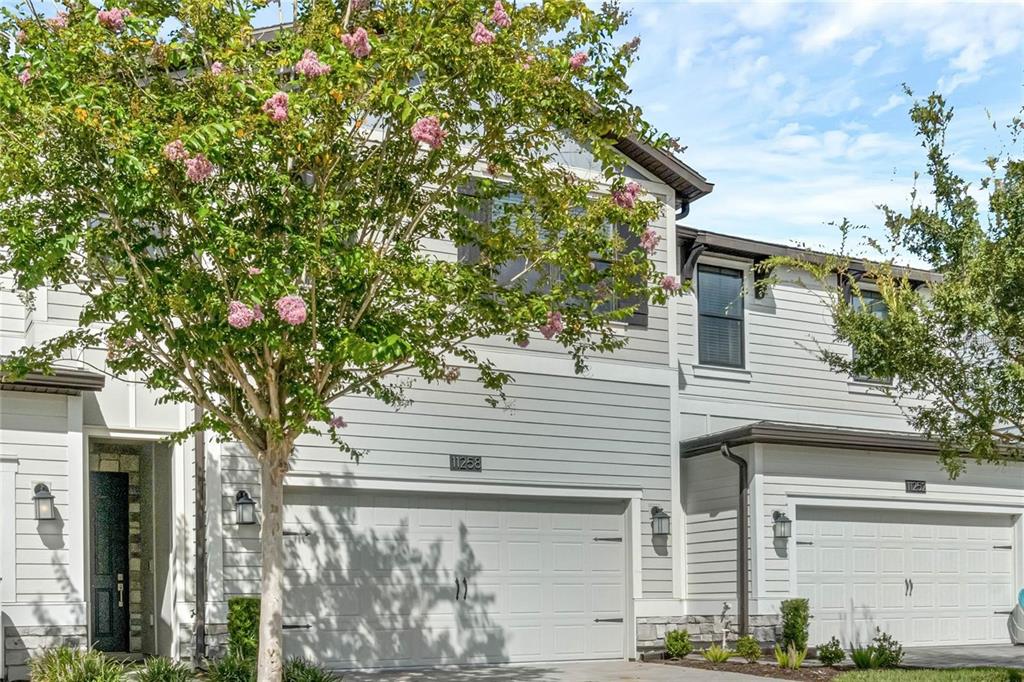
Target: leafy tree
[(253, 216), (950, 349)]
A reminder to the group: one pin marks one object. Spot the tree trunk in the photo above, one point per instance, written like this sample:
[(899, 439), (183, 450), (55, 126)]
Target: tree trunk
[(270, 665)]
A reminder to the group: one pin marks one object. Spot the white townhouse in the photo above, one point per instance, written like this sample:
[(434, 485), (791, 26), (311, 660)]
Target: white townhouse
[(581, 522)]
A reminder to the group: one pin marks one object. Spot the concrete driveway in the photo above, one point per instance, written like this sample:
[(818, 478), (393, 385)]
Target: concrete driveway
[(604, 671), (996, 655)]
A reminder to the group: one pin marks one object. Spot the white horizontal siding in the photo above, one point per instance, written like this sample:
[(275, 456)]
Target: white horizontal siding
[(33, 429), (785, 379), (709, 490)]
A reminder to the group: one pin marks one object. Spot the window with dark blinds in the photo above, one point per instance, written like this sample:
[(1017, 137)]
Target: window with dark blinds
[(720, 316)]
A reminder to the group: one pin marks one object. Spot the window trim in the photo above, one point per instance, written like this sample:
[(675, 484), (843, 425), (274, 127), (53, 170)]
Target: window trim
[(858, 380), (743, 267)]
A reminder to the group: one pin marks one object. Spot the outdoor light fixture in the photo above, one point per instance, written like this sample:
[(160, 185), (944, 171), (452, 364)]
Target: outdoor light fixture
[(660, 522), (245, 509), (43, 499), (782, 527)]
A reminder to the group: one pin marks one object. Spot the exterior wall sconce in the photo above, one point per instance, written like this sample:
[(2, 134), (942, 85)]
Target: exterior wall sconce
[(782, 527), (43, 500), (661, 524), (245, 509)]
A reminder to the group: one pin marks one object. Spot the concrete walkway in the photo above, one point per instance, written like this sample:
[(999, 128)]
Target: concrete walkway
[(995, 655), (604, 671)]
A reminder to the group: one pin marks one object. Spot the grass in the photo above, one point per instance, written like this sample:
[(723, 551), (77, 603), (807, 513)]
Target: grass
[(963, 675)]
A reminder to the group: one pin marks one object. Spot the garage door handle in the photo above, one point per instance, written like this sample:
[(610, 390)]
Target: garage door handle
[(607, 620), (465, 590), (1003, 613), (906, 587), (456, 589)]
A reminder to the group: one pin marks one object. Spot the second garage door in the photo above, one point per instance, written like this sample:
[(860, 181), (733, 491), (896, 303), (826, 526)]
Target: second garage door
[(924, 577), (384, 580)]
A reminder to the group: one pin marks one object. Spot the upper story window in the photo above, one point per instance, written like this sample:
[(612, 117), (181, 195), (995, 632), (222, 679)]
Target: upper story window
[(720, 316), (520, 273), (872, 302)]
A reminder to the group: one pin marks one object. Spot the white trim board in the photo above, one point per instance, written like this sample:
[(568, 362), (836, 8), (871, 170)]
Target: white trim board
[(310, 480)]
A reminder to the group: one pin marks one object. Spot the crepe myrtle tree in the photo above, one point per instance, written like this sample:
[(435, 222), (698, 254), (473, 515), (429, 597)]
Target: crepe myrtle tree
[(949, 351), (250, 214)]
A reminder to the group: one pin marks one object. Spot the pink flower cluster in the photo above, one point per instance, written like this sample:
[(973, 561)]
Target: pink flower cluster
[(216, 68), (481, 36), (553, 326), (671, 284), (25, 77), (241, 316), (198, 168), (649, 240), (253, 271), (337, 422), (626, 197), (577, 61), (524, 342), (499, 16), (428, 131), (291, 309), (113, 19), (58, 22), (310, 65), (175, 151), (276, 107), (358, 43), (359, 5)]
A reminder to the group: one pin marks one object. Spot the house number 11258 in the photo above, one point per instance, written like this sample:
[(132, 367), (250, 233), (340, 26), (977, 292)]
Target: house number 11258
[(465, 463)]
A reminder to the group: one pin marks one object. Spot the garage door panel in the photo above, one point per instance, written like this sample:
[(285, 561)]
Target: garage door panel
[(939, 584), (377, 572)]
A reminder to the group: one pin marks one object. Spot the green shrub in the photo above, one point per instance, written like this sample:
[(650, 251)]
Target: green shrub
[(233, 668), (791, 658), (677, 644), (747, 647), (831, 653), (159, 669), (888, 651), (65, 664), (299, 670), (796, 616), (864, 658), (716, 654), (244, 626)]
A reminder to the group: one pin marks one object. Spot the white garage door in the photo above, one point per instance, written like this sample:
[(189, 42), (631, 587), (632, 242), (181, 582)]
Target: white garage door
[(389, 580), (924, 577)]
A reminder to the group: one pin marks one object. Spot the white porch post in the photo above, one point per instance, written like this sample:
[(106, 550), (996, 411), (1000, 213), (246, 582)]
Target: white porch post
[(77, 495)]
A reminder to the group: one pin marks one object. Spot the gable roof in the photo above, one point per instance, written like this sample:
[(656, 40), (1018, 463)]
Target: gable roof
[(688, 183)]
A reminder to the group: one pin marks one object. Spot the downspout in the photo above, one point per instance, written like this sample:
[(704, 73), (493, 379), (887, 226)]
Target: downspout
[(199, 649), (742, 534)]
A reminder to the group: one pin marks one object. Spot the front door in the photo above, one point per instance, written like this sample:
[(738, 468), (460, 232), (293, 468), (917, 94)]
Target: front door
[(109, 493)]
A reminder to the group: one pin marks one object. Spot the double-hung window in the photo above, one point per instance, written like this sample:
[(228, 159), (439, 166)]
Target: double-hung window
[(871, 302), (720, 316)]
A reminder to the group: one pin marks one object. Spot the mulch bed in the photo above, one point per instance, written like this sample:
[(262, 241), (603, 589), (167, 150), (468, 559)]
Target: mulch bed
[(759, 669)]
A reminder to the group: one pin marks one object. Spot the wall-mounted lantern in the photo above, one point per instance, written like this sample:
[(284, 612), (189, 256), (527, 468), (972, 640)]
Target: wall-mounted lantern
[(43, 499), (661, 524), (782, 527), (245, 509)]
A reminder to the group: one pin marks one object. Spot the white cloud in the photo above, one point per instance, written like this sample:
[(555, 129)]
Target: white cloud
[(861, 56), (893, 102)]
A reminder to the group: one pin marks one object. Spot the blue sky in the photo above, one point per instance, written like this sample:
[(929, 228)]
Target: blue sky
[(795, 110)]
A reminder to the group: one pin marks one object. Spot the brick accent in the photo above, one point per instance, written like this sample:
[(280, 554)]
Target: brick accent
[(704, 630)]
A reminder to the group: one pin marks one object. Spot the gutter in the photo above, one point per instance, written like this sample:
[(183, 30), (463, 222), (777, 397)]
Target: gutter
[(742, 536), (199, 626)]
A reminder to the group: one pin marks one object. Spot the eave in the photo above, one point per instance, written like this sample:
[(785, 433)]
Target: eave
[(60, 381)]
